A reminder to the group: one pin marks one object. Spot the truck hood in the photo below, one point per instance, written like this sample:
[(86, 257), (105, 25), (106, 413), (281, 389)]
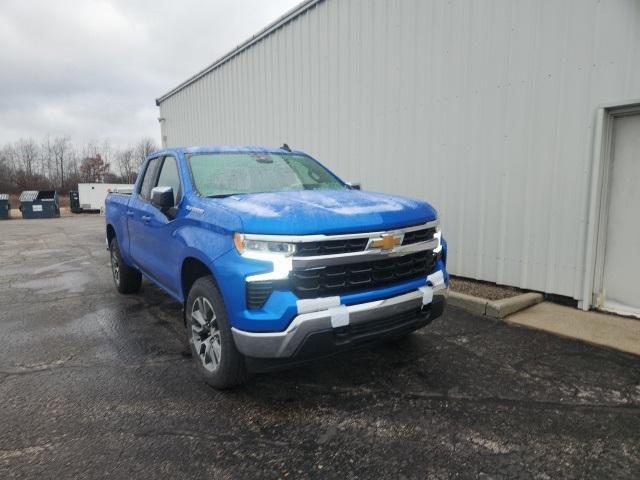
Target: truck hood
[(325, 211)]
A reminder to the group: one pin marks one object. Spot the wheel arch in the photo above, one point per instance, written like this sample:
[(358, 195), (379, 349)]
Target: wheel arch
[(191, 270), (111, 233)]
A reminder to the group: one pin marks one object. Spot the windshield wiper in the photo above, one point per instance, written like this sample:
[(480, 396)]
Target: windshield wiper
[(224, 195)]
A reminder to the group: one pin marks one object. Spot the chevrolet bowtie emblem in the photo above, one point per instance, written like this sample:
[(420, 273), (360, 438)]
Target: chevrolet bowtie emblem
[(387, 242)]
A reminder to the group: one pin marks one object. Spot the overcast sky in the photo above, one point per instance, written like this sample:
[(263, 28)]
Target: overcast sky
[(93, 69)]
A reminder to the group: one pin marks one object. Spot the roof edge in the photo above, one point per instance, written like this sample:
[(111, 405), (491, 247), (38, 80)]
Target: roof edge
[(273, 26)]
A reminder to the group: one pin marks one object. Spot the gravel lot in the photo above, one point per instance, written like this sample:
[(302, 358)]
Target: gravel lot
[(94, 384), (486, 290)]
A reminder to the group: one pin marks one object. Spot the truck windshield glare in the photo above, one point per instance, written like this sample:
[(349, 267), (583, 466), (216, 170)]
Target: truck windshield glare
[(224, 174)]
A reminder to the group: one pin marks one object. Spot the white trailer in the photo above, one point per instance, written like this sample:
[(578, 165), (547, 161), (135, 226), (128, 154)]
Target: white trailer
[(92, 195)]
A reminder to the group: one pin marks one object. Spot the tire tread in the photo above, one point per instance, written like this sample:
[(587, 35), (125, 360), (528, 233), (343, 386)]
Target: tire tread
[(130, 278)]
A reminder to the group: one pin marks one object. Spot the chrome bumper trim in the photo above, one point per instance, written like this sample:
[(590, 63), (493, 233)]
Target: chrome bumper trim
[(285, 344), (345, 236)]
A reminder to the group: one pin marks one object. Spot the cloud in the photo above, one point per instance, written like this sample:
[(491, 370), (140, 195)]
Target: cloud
[(92, 69)]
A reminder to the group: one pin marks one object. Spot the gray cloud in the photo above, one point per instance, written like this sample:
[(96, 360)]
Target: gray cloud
[(92, 69)]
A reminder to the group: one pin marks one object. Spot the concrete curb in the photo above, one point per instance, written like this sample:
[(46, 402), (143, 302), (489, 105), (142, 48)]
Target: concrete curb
[(507, 306), (496, 308), (469, 303)]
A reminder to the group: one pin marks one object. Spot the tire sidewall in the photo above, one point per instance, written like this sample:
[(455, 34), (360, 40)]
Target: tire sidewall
[(114, 250), (223, 375)]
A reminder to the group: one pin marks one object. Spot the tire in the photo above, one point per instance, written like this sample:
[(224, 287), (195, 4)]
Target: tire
[(214, 352), (126, 279)]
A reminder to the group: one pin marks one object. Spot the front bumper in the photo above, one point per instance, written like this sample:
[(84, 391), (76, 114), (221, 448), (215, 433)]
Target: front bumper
[(232, 270), (326, 326)]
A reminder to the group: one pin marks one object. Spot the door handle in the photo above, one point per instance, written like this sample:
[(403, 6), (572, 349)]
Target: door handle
[(146, 218), (129, 213)]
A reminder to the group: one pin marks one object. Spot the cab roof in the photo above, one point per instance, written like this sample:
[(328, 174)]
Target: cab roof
[(224, 149)]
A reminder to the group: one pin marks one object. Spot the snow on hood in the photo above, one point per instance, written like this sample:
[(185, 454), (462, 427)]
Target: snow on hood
[(325, 211)]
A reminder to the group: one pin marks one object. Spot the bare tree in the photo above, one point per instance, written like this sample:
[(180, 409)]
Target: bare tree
[(46, 158), (106, 151), (141, 150), (8, 167), (73, 170), (90, 149), (28, 152), (125, 159), (94, 169), (56, 163), (10, 156), (61, 149), (72, 164)]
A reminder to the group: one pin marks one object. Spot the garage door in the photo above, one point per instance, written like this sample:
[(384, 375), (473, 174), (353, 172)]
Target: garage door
[(621, 285)]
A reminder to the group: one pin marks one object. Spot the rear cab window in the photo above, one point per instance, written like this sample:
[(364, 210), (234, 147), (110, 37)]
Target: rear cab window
[(148, 181)]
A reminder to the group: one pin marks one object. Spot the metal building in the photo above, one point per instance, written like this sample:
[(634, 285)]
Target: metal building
[(507, 116)]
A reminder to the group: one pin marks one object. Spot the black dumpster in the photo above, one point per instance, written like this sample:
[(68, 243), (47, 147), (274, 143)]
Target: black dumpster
[(5, 206), (74, 202), (43, 204)]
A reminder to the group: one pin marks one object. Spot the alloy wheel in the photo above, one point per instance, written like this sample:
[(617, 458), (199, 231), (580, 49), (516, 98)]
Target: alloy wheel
[(115, 268), (205, 334)]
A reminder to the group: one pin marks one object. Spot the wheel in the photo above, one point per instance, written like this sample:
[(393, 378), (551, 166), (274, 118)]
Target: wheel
[(214, 352), (126, 279)]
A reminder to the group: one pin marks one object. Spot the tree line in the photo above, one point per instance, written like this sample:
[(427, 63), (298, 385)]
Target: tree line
[(57, 163)]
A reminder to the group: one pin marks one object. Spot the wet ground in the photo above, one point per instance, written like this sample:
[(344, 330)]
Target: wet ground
[(94, 384)]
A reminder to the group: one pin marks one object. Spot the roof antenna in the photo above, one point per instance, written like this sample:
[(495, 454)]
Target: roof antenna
[(285, 147)]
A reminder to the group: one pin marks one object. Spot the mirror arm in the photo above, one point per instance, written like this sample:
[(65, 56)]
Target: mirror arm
[(170, 212)]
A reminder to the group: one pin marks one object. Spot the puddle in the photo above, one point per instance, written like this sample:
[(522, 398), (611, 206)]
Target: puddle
[(72, 281), (47, 251), (60, 267)]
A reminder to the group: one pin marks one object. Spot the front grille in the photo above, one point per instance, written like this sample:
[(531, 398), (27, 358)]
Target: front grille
[(335, 247), (419, 236), (258, 293), (331, 247), (355, 277)]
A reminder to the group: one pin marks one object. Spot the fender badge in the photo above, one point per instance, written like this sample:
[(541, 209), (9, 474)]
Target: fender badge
[(195, 209)]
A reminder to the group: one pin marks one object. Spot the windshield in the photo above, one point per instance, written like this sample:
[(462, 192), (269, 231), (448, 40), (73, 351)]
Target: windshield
[(224, 174)]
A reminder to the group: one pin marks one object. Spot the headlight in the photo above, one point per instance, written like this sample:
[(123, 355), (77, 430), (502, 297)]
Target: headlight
[(278, 253), (248, 246), (438, 236)]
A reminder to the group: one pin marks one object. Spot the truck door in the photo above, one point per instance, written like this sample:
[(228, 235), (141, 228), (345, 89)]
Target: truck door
[(138, 212), (154, 244)]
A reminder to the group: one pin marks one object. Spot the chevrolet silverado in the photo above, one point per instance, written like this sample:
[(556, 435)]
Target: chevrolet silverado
[(274, 259)]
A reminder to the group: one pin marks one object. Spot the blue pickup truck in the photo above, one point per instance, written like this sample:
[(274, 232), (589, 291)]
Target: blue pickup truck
[(275, 260)]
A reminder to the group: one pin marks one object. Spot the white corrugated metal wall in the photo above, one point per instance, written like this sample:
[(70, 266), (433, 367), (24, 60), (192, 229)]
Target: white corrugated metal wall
[(486, 109)]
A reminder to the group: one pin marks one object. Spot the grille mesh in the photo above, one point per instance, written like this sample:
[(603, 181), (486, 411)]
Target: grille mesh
[(418, 236), (331, 247), (354, 277)]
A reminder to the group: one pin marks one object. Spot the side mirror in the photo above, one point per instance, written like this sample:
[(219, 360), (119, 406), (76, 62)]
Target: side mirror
[(354, 185), (162, 197)]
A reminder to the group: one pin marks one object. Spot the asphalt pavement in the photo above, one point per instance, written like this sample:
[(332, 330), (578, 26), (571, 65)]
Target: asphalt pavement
[(94, 384)]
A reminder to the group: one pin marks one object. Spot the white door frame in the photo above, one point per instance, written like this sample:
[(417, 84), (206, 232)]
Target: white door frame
[(599, 199)]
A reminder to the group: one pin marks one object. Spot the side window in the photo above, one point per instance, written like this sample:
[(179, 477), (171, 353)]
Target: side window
[(169, 177), (149, 179)]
